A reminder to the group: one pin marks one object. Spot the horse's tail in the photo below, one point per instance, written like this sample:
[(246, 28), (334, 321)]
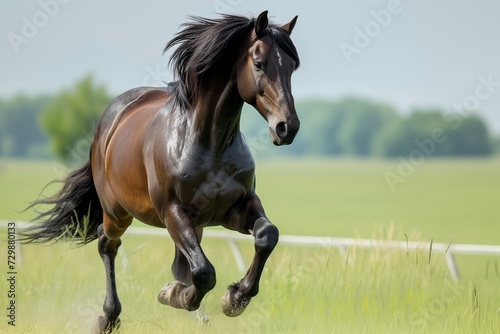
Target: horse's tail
[(75, 214)]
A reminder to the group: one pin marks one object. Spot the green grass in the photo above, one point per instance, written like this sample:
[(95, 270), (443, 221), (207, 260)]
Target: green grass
[(303, 290), (442, 199)]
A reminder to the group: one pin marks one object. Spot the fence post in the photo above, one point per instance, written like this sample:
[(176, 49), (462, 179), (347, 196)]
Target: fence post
[(238, 256), (452, 265)]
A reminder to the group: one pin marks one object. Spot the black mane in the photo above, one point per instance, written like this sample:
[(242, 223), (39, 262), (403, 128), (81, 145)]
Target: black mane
[(202, 42)]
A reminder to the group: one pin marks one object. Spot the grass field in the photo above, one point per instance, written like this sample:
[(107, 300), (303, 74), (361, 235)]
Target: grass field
[(303, 290)]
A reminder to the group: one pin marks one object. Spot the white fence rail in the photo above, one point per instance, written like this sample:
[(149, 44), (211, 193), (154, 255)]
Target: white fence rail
[(450, 250)]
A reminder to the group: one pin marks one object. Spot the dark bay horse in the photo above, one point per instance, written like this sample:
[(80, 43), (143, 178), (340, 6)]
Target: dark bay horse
[(175, 158)]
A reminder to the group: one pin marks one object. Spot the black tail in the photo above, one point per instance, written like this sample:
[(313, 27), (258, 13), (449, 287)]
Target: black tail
[(75, 215)]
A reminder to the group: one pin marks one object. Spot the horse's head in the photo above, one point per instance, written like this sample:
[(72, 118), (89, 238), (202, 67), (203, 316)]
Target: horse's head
[(264, 77)]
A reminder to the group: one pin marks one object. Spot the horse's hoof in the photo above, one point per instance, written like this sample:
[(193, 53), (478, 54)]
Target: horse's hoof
[(169, 290), (232, 306), (105, 326)]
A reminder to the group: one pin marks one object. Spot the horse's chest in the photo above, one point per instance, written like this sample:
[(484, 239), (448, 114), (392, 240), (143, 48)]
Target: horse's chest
[(210, 193), (218, 191)]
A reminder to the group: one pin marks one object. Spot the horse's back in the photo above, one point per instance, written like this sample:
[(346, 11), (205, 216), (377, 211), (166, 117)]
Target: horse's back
[(117, 151), (128, 102)]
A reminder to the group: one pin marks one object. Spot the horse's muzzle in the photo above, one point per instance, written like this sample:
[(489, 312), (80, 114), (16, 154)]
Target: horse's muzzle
[(284, 132)]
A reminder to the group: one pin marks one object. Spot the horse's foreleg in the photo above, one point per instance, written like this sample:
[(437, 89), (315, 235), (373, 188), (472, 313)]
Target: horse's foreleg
[(202, 274), (180, 266), (250, 220)]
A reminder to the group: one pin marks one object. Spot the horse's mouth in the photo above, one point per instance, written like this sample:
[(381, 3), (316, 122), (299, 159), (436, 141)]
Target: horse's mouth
[(280, 141)]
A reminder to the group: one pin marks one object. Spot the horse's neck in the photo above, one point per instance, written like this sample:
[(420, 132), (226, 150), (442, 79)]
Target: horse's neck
[(217, 116)]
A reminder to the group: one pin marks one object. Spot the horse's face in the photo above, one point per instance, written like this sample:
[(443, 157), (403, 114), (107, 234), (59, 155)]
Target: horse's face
[(264, 81)]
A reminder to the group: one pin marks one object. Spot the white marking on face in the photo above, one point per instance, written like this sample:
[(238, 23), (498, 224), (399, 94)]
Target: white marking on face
[(279, 57)]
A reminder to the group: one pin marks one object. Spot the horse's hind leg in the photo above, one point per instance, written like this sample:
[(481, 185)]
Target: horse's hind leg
[(108, 248)]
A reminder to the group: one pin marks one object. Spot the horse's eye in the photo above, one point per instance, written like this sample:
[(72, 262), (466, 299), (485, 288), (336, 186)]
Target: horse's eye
[(258, 65)]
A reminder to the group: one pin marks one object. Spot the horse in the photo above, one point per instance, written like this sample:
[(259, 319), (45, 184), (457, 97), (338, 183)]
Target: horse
[(174, 157)]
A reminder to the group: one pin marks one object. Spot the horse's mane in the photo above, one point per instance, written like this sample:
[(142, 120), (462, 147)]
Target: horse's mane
[(202, 42)]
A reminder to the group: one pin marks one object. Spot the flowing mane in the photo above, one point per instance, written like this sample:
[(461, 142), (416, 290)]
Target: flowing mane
[(203, 42)]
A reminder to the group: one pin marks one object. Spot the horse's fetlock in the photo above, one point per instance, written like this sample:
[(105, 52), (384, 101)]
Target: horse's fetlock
[(112, 309), (204, 279)]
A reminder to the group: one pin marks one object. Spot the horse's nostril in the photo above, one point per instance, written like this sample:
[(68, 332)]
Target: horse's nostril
[(281, 130)]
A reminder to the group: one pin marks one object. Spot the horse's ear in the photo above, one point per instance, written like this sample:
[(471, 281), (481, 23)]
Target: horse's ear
[(290, 25), (261, 23)]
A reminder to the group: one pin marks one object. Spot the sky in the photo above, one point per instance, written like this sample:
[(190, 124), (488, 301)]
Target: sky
[(408, 53)]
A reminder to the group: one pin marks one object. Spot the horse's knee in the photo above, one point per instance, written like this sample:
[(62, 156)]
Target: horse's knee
[(266, 236), (108, 247), (113, 228), (204, 278)]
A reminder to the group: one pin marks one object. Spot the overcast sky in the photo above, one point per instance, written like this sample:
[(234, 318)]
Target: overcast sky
[(410, 53)]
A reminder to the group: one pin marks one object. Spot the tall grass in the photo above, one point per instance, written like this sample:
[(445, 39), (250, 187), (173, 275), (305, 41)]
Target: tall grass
[(303, 290)]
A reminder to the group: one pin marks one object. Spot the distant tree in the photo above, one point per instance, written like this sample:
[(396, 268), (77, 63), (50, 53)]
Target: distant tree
[(433, 134), (361, 123), (319, 126), (20, 133), (70, 118), (346, 127), (471, 138), (389, 142)]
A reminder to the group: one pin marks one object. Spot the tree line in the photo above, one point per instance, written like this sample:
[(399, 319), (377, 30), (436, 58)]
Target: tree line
[(359, 127), (62, 125)]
